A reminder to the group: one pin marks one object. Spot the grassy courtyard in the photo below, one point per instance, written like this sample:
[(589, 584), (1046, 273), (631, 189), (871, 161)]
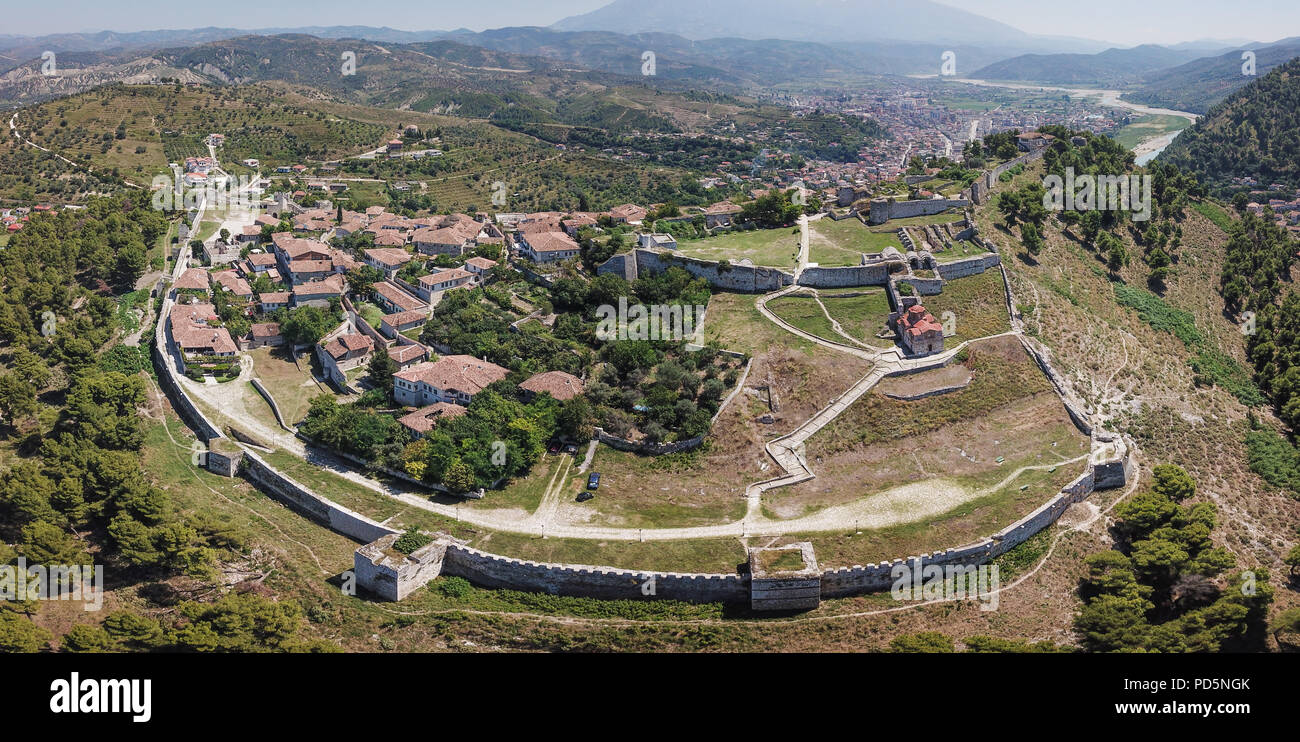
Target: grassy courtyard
[(837, 243), (978, 304), (776, 248)]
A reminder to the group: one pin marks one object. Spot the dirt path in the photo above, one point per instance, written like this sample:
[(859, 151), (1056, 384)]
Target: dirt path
[(550, 503), (158, 396)]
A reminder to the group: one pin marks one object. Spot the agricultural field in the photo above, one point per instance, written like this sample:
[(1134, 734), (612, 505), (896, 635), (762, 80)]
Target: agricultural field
[(1147, 127)]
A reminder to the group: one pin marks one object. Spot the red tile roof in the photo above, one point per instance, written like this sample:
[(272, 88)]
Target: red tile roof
[(423, 419), (465, 374), (558, 384)]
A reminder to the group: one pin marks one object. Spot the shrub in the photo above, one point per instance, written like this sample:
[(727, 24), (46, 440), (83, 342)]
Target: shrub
[(457, 588), (408, 542)]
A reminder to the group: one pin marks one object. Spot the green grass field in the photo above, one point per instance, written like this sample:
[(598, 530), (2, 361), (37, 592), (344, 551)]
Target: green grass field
[(804, 312), (978, 305), (861, 316), (1149, 126), (771, 247), (959, 250), (835, 243)]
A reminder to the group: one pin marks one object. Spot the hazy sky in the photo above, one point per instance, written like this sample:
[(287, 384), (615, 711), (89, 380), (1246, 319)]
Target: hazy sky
[(1121, 21), (1131, 22)]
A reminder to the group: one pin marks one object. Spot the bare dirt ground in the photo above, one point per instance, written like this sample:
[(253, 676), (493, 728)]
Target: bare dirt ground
[(954, 374), (1023, 433)]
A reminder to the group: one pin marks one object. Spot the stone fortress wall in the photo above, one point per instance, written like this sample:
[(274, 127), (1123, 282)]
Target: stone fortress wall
[(748, 279), (884, 209), (982, 188), (1110, 466), (390, 578)]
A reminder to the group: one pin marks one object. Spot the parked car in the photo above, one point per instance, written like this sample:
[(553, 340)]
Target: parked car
[(585, 496), (593, 481), (571, 449)]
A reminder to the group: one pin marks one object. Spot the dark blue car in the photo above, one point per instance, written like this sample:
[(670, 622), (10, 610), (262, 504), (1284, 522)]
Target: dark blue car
[(593, 481)]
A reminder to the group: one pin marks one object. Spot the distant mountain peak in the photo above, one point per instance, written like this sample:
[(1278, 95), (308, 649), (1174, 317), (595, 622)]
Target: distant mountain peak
[(800, 20)]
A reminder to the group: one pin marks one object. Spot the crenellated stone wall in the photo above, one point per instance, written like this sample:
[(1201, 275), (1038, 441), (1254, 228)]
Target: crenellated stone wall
[(491, 570), (968, 266), (338, 518), (884, 209), (874, 274)]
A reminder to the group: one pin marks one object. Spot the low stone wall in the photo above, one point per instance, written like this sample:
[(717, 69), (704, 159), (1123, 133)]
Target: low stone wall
[(649, 449), (928, 393), (532, 275), (275, 408)]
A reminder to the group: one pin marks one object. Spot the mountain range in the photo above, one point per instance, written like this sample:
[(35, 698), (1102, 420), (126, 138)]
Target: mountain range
[(725, 45), (815, 20)]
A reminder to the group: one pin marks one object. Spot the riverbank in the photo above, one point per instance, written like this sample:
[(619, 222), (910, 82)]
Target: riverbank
[(1145, 148)]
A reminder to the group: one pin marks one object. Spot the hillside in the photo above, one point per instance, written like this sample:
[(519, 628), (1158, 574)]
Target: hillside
[(1113, 67), (1198, 85), (280, 124), (1255, 132), (1156, 360)]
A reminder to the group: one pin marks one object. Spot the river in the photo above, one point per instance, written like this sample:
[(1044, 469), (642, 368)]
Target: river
[(1147, 149)]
